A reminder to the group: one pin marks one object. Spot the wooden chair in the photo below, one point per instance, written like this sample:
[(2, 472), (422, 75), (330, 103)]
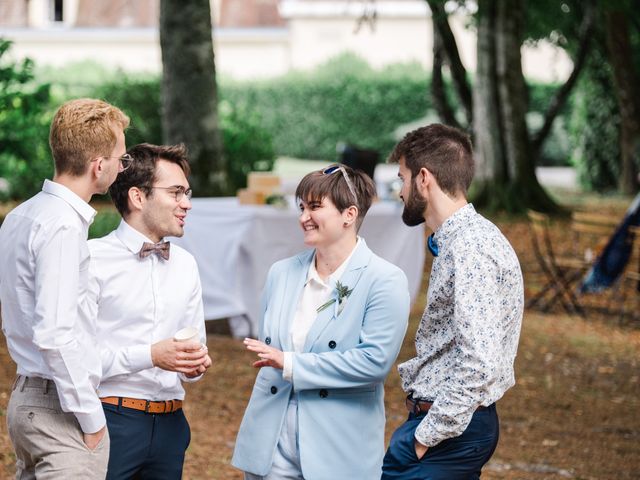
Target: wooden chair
[(631, 277), (561, 272), (590, 234)]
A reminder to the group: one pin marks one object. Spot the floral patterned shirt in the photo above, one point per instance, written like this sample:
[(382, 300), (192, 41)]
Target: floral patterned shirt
[(467, 339)]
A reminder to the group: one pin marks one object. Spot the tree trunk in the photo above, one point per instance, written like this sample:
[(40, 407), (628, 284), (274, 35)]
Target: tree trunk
[(438, 91), (189, 92), (627, 92), (450, 49), (489, 149)]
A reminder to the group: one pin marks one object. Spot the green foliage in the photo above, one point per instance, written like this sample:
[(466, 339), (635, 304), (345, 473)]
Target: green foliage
[(344, 100), (24, 120), (248, 146), (106, 220), (595, 127), (139, 98)]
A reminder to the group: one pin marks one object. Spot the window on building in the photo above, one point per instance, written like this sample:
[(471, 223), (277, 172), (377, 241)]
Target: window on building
[(57, 11)]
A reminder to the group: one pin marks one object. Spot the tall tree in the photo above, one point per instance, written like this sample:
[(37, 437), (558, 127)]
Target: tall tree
[(189, 91), (506, 152), (627, 92)]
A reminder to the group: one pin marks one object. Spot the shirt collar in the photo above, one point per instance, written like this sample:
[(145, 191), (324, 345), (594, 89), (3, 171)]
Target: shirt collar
[(335, 276), (85, 210), (130, 237), (451, 225)]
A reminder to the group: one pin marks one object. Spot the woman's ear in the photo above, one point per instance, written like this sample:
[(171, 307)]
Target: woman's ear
[(350, 215)]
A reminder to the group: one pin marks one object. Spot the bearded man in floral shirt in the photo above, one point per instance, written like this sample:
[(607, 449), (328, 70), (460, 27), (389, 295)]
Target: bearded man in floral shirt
[(467, 339)]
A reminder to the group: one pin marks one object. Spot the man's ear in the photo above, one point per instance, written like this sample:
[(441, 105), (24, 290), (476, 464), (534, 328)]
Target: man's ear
[(136, 198), (96, 168), (422, 180)]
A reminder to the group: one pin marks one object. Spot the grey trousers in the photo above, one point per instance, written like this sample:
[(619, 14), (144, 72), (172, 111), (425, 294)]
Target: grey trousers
[(48, 442)]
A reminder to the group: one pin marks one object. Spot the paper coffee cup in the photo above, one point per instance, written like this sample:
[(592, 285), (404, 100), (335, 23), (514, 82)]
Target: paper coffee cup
[(188, 334)]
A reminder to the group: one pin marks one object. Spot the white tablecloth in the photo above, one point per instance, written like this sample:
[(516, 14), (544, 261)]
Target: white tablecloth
[(235, 245)]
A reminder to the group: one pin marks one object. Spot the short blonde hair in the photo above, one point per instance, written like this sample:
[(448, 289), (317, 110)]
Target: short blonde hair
[(81, 130)]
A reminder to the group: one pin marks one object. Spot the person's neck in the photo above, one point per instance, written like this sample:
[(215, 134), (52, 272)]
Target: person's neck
[(135, 222), (441, 208), (329, 259), (78, 185)]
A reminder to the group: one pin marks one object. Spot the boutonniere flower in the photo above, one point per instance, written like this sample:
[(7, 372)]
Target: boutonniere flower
[(343, 291)]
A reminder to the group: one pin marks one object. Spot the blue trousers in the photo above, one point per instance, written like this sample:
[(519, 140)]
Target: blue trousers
[(457, 458), (146, 446)]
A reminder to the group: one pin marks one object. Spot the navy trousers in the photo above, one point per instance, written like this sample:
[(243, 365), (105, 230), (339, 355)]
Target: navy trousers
[(144, 445), (457, 458)]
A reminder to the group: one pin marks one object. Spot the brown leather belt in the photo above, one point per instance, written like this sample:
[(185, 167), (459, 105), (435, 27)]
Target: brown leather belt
[(418, 405), (147, 406)]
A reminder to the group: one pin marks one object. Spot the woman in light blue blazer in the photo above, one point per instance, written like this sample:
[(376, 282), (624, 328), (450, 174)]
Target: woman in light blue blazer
[(333, 320)]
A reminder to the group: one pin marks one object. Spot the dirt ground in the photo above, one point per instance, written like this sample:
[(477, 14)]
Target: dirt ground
[(574, 412)]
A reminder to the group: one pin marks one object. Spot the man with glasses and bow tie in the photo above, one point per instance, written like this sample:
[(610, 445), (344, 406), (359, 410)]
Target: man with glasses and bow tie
[(142, 290), (55, 419)]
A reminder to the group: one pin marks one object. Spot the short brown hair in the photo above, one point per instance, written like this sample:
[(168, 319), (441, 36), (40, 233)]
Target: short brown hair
[(142, 171), (444, 151), (81, 130), (317, 185)]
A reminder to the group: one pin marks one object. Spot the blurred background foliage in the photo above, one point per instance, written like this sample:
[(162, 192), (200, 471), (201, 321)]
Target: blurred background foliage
[(303, 115)]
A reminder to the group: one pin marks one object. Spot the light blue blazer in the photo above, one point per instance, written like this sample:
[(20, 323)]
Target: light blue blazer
[(339, 377)]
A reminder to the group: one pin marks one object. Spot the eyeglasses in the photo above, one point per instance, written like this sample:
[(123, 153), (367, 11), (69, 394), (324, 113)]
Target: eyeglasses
[(336, 168), (125, 160), (178, 191)]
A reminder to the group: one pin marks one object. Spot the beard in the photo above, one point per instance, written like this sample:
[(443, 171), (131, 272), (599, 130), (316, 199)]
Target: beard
[(414, 207)]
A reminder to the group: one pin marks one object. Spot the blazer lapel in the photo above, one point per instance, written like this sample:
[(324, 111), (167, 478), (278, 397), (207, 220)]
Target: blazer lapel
[(350, 278), (296, 278)]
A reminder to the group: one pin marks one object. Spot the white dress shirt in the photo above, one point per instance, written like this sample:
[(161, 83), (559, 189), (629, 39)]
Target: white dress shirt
[(43, 278), (316, 292), (136, 302)]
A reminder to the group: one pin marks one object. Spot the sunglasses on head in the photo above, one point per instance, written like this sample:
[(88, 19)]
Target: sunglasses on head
[(336, 168)]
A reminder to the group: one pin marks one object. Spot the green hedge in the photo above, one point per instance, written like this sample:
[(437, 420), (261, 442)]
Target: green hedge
[(342, 101)]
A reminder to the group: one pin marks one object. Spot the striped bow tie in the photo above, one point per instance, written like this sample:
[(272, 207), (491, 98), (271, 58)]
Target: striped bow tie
[(160, 249)]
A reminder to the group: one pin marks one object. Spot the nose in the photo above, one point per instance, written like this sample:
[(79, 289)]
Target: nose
[(304, 215), (185, 203)]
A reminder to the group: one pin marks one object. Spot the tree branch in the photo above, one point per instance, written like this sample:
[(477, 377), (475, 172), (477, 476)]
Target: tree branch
[(562, 94)]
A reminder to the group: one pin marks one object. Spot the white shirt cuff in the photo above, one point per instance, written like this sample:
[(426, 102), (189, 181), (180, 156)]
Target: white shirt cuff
[(287, 368), (139, 358), (91, 422)]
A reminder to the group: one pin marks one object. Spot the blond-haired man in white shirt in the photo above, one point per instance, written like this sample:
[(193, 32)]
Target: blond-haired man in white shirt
[(55, 419), (142, 291)]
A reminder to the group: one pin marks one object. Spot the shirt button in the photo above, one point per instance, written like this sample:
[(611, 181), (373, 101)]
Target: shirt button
[(274, 390), (267, 340), (323, 393), (332, 344)]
